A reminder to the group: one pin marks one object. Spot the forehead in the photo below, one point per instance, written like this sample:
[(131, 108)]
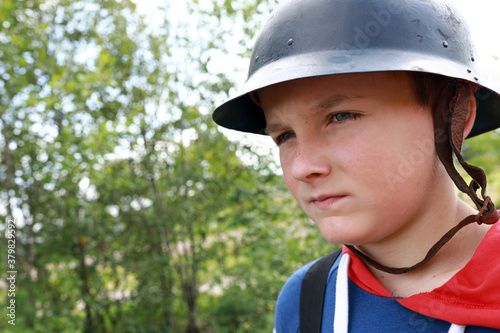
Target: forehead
[(327, 91), (384, 78)]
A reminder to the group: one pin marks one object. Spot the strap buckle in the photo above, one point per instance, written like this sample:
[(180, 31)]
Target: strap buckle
[(492, 217)]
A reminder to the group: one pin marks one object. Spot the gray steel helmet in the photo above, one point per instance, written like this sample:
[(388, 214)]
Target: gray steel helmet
[(306, 38)]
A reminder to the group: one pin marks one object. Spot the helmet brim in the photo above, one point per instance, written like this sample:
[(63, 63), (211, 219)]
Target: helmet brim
[(242, 114)]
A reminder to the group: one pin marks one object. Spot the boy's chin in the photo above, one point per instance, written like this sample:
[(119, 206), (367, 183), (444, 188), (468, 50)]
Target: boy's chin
[(336, 232), (331, 236)]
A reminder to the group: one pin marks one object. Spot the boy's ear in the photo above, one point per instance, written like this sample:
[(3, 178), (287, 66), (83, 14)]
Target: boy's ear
[(254, 96), (471, 112)]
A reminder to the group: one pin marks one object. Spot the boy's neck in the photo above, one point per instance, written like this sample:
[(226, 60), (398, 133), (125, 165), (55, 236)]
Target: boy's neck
[(451, 258)]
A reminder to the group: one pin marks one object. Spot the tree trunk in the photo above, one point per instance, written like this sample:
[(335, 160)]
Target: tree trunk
[(89, 325), (190, 289)]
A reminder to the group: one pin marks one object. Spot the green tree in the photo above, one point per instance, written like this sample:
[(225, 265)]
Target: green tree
[(484, 152), (64, 66), (134, 213)]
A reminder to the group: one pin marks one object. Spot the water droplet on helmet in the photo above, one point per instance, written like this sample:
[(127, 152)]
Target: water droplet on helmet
[(445, 44)]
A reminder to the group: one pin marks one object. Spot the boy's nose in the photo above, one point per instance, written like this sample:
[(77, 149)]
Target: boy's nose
[(309, 162)]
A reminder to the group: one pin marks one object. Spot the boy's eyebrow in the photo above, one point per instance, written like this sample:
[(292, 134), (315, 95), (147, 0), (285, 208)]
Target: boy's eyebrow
[(334, 100), (322, 105), (274, 128)]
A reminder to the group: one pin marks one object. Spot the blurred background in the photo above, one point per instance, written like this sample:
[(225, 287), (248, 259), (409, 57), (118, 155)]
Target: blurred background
[(134, 212)]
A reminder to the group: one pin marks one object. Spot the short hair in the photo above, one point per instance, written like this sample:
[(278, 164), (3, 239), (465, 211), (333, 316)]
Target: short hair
[(427, 86)]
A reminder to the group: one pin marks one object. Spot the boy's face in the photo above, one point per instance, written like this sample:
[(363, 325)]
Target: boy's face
[(357, 152)]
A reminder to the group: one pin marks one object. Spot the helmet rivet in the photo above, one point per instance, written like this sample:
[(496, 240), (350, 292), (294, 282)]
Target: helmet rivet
[(256, 58), (445, 44), (290, 41), (469, 71), (475, 78), (472, 58)]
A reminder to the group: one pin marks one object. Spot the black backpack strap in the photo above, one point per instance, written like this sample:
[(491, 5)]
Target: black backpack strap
[(312, 293)]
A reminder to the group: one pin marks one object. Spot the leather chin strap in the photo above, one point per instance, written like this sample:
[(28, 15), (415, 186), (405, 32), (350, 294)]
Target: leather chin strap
[(449, 122)]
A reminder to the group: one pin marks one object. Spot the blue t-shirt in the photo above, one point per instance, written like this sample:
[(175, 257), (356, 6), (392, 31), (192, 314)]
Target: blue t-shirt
[(367, 312)]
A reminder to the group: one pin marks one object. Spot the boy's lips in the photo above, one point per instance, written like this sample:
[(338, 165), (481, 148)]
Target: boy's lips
[(324, 201)]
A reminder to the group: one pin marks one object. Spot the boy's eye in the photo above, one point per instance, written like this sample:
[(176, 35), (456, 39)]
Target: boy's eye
[(284, 137), (334, 118), (342, 116)]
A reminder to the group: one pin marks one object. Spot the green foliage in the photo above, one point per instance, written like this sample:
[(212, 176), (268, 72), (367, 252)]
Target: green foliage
[(134, 213), (484, 151)]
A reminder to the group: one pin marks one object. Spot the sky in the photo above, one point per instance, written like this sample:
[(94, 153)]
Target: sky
[(482, 17)]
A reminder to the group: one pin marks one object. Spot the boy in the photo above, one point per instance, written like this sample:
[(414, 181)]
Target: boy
[(368, 101)]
